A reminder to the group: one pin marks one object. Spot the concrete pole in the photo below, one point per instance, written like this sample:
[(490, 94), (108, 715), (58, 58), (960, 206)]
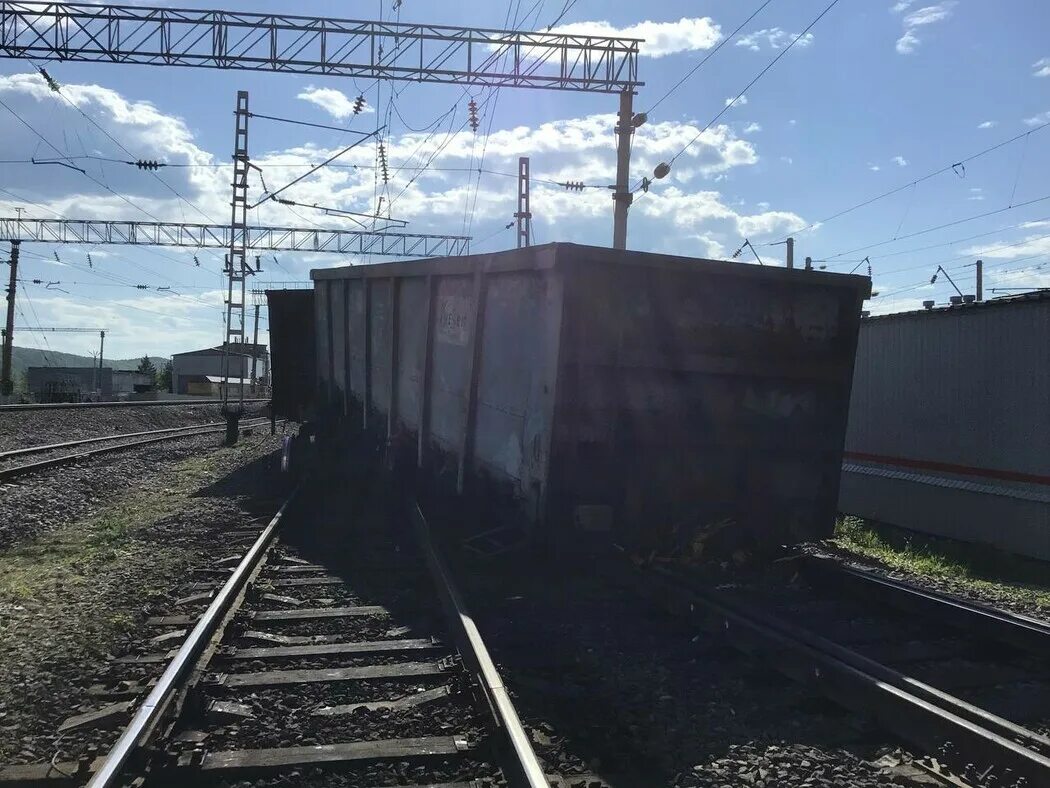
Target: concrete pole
[(790, 252), (101, 350), (622, 195), (523, 215), (980, 280), (6, 383)]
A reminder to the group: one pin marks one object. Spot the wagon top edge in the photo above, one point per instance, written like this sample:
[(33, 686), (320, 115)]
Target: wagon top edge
[(552, 255)]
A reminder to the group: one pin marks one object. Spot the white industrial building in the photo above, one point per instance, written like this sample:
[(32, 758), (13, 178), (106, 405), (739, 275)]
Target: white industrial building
[(190, 371)]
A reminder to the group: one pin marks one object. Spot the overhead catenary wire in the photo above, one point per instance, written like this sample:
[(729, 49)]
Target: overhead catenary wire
[(707, 57), (926, 230), (940, 171), (56, 89), (749, 85)]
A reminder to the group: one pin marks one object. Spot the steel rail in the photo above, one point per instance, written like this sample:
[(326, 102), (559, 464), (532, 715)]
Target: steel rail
[(524, 769), (1024, 632), (182, 666), (959, 733), (122, 404), (66, 459), (4, 455)]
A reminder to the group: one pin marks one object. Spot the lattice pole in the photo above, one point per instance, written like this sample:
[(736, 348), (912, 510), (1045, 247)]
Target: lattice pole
[(237, 271)]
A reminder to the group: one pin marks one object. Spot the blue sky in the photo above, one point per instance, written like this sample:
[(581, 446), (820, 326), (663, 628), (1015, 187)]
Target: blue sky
[(881, 93)]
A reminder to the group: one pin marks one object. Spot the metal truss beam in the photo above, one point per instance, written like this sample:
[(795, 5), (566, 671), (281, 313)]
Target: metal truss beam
[(317, 45), (217, 236)]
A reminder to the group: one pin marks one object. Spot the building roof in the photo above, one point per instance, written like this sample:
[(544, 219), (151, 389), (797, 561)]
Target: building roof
[(1033, 296), (237, 348)]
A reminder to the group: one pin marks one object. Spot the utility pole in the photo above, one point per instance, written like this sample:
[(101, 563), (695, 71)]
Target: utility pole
[(790, 252), (523, 215), (980, 280), (236, 270), (255, 344), (622, 195), (6, 384)]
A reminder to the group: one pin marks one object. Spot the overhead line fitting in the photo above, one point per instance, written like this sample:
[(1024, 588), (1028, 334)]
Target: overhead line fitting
[(382, 162), (50, 80)]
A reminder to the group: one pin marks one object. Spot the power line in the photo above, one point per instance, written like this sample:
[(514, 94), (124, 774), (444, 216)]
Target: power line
[(55, 88), (948, 168), (708, 56), (759, 76), (941, 226)]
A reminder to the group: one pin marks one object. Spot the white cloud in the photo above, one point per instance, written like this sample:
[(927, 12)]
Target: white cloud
[(661, 38), (902, 6), (1042, 67), (787, 160), (900, 161), (687, 210), (334, 102), (976, 193), (684, 211), (922, 17), (1000, 250), (751, 128), (792, 122), (1038, 120), (987, 124), (874, 167), (739, 102), (774, 38)]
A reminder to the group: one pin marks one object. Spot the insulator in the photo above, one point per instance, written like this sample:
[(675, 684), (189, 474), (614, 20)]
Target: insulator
[(51, 83), (149, 164), (57, 258), (196, 262), (142, 287), (359, 104), (472, 108), (574, 186), (91, 263)]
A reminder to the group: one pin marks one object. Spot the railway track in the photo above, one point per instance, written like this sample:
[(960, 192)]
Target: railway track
[(354, 667), (967, 685), (122, 404), (12, 464)]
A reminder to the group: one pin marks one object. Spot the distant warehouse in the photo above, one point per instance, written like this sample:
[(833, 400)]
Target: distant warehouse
[(200, 371), (81, 384), (949, 423)]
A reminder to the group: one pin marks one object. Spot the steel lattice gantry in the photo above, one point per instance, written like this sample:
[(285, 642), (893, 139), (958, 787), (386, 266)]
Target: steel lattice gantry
[(317, 45), (217, 236)]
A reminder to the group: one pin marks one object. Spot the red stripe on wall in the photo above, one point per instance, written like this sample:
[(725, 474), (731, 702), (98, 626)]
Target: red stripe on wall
[(948, 467)]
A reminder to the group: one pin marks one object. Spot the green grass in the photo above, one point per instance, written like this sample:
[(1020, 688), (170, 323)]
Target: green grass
[(984, 570)]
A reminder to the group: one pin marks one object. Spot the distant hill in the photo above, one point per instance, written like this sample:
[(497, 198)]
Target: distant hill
[(24, 357)]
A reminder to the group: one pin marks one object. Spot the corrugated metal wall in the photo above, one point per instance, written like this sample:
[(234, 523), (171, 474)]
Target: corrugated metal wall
[(949, 424)]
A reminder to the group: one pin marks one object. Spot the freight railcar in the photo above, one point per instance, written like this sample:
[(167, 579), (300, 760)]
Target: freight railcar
[(602, 390)]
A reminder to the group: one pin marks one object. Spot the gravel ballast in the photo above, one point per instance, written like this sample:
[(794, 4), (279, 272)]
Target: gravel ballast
[(78, 592), (19, 429), (608, 684)]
